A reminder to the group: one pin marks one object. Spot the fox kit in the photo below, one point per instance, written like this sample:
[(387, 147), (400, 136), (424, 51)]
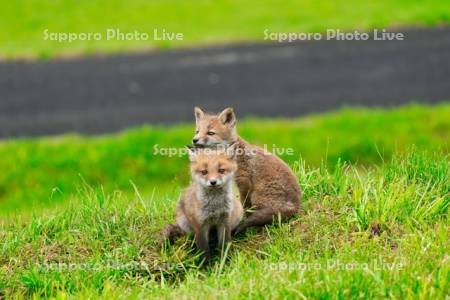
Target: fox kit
[(209, 201), (265, 182)]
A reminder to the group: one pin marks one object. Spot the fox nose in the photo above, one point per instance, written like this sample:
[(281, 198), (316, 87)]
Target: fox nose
[(213, 182), (194, 141)]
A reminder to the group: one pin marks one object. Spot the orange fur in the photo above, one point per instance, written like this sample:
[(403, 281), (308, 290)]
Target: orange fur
[(209, 201), (265, 182)]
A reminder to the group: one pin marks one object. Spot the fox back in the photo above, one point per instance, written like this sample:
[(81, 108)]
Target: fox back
[(263, 179)]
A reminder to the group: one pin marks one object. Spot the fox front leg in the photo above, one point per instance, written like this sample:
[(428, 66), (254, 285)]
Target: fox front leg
[(245, 188), (202, 241), (223, 234)]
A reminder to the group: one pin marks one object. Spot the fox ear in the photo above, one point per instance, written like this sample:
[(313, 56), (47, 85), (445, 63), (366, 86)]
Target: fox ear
[(231, 151), (228, 117), (199, 113), (192, 152)]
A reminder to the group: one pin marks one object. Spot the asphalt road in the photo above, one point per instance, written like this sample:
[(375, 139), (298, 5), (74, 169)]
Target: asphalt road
[(104, 94)]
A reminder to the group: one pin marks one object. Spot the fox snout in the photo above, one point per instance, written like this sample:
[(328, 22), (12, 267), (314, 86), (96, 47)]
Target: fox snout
[(215, 182), (212, 182), (200, 142)]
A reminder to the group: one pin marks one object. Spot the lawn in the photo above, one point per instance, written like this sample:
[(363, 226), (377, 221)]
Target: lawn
[(45, 172), (80, 216), (378, 232), (204, 22)]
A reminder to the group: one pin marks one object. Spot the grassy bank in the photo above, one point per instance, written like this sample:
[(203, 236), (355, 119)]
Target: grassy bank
[(46, 172), (23, 22), (378, 232)]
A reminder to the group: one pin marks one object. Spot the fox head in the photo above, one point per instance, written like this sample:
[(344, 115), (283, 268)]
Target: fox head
[(213, 129), (212, 168)]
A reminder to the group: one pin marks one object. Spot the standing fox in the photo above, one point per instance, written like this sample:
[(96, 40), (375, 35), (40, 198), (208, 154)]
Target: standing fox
[(209, 201), (265, 182)]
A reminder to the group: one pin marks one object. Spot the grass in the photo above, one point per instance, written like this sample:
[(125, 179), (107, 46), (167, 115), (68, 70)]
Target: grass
[(203, 22), (364, 232), (81, 215), (46, 172)]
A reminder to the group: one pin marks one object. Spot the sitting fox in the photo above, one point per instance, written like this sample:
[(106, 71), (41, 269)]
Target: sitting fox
[(266, 184), (209, 202)]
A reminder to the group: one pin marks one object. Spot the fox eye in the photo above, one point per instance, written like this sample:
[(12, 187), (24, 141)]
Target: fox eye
[(196, 131), (221, 171), (204, 172), (210, 133)]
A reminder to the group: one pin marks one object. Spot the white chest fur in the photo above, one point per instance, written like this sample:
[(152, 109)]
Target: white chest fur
[(216, 203)]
